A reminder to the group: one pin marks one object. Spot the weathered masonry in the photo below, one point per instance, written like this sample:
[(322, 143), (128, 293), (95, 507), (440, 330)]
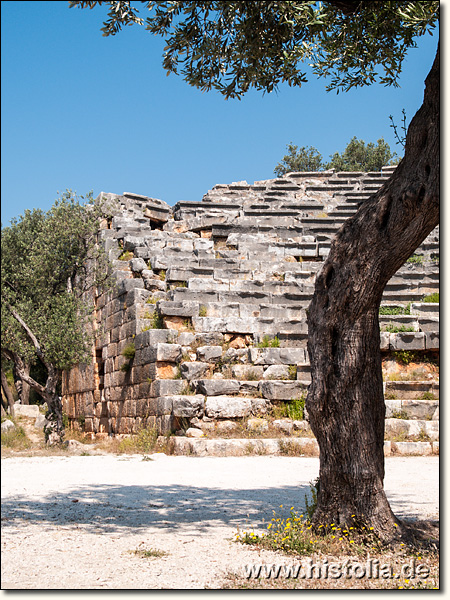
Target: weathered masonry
[(207, 321)]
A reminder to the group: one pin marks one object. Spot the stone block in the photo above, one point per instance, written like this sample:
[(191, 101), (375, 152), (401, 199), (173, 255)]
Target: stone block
[(209, 353), (277, 356), (166, 387), (432, 340), (178, 309), (164, 352), (384, 341), (193, 432), (152, 337), (248, 372), (194, 370), (282, 390), (163, 370), (284, 425), (26, 410), (407, 341), (188, 406), (260, 406), (138, 265), (412, 448), (164, 405), (227, 407), (217, 387), (277, 372), (420, 409)]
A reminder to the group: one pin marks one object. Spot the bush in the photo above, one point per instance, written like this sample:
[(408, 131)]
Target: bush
[(432, 298), (144, 441), (16, 439)]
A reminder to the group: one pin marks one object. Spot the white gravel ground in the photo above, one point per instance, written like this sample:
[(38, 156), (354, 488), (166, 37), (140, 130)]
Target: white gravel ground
[(71, 522)]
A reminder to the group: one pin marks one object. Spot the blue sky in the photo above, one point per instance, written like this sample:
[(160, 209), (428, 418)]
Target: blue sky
[(84, 112)]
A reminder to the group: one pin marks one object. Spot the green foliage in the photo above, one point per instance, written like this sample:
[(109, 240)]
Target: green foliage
[(202, 311), (234, 46), (406, 356), (359, 156), (432, 298), (428, 396), (415, 259), (15, 439), (299, 159), (129, 351), (296, 408), (391, 310), (293, 372), (268, 342), (144, 441), (391, 328), (45, 275), (127, 255)]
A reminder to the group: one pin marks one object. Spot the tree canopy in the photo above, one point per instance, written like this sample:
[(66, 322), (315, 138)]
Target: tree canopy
[(232, 46), (48, 263), (357, 156)]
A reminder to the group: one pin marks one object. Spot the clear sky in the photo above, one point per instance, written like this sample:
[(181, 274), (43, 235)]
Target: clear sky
[(84, 112)]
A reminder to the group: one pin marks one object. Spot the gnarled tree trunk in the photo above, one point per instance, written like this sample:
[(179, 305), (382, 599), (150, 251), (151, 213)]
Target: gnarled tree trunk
[(345, 400)]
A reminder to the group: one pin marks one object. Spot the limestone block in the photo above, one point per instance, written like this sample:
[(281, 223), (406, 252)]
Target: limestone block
[(166, 387), (408, 427), (277, 356), (163, 370), (138, 265), (260, 406), (247, 372), (412, 448), (425, 309), (151, 337), (435, 447), (407, 341), (384, 340), (226, 427), (284, 425), (281, 390), (277, 372), (8, 425), (209, 339), (164, 352), (26, 410), (432, 340), (420, 409), (217, 387), (193, 432), (164, 405), (408, 389), (194, 370), (429, 325), (209, 353), (232, 325), (432, 430), (392, 406), (227, 407), (178, 309), (188, 406), (302, 425)]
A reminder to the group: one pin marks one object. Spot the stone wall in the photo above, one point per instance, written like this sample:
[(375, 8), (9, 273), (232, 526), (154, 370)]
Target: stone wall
[(211, 298)]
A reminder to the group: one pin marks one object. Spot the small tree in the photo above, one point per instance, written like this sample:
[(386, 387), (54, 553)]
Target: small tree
[(49, 263), (306, 158), (358, 156)]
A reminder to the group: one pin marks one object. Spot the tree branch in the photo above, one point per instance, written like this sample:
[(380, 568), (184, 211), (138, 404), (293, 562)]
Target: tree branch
[(29, 333)]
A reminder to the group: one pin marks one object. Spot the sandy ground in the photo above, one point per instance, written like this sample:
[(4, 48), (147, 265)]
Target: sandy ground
[(74, 522)]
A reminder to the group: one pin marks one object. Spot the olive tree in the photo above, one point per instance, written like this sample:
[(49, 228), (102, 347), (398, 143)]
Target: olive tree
[(232, 47), (49, 262)]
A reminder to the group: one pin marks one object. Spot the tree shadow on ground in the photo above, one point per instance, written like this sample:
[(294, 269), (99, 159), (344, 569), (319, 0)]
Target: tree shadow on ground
[(115, 508)]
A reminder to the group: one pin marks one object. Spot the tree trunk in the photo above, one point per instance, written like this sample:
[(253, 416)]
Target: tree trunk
[(22, 387), (345, 401), (8, 394)]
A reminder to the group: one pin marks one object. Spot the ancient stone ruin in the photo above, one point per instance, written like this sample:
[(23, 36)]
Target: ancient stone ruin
[(204, 333)]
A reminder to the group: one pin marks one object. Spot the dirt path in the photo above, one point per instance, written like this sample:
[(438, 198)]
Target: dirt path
[(74, 522)]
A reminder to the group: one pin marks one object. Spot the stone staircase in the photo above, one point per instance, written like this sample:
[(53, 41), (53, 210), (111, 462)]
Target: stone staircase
[(212, 297)]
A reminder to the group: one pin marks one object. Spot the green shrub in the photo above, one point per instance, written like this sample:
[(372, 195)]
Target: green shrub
[(127, 255), (415, 259), (143, 441), (129, 351), (292, 372), (432, 298), (391, 328), (296, 408), (15, 439), (399, 414), (202, 311), (268, 342)]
